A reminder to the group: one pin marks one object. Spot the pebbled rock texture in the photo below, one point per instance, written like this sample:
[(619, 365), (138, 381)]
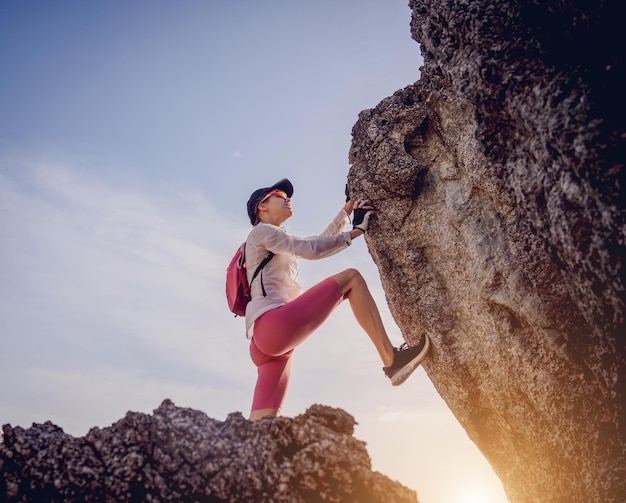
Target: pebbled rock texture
[(179, 454), (498, 180)]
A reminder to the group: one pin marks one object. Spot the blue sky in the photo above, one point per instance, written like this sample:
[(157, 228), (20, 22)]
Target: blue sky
[(131, 135)]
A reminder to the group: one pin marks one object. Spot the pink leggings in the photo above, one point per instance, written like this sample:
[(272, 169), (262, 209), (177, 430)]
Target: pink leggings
[(279, 331)]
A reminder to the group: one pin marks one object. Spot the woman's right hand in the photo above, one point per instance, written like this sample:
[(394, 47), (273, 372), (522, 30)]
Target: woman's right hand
[(362, 213)]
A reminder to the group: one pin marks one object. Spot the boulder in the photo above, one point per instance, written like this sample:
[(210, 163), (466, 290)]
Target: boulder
[(498, 180)]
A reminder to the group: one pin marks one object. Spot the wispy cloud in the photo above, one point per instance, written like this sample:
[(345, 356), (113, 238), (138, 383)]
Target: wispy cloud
[(98, 276)]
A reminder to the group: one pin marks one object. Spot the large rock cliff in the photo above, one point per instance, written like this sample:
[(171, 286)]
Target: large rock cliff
[(180, 454), (498, 180)]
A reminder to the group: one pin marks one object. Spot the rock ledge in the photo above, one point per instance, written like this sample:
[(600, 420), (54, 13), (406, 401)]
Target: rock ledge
[(180, 454)]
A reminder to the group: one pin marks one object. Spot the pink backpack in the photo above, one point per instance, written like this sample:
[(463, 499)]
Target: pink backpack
[(237, 287)]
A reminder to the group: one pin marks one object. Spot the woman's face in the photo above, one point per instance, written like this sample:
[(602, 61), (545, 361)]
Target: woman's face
[(277, 206)]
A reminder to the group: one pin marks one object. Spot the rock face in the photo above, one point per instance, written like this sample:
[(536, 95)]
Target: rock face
[(180, 454), (498, 180)]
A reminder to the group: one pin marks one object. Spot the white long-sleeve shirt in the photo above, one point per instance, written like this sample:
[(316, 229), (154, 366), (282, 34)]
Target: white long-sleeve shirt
[(279, 275)]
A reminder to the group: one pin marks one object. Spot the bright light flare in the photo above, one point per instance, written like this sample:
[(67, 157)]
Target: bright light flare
[(473, 496)]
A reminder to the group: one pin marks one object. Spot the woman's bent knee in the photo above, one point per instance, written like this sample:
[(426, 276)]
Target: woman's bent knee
[(347, 279)]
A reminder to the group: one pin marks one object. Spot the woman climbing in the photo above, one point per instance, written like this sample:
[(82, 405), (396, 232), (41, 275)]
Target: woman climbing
[(280, 316)]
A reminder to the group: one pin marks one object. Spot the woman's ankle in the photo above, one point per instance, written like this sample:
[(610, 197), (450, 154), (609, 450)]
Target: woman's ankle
[(261, 413)]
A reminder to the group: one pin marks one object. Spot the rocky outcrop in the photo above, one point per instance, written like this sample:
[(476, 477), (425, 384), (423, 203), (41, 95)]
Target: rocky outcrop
[(498, 180), (179, 454)]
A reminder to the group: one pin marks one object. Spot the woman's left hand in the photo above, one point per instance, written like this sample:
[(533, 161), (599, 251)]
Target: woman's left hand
[(363, 203)]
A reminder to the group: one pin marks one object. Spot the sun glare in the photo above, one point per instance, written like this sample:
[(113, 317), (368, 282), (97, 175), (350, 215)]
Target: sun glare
[(473, 497)]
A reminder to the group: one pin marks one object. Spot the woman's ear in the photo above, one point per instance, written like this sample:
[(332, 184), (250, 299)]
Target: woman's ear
[(261, 207)]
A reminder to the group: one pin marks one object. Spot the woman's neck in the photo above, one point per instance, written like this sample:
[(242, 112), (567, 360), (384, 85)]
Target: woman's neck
[(278, 222)]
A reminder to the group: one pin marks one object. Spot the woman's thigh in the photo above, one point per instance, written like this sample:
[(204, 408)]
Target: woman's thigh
[(274, 373), (282, 329)]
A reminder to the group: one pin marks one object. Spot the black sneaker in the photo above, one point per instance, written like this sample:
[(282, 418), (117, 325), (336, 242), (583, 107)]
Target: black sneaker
[(406, 359)]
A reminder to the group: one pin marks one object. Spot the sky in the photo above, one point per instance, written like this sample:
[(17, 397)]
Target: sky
[(131, 136)]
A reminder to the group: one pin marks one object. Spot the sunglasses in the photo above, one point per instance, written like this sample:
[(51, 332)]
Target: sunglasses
[(278, 193)]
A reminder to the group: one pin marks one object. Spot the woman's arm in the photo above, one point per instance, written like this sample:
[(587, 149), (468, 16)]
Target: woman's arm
[(276, 240), (355, 233), (348, 207)]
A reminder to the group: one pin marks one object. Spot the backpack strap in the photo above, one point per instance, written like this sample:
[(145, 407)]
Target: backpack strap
[(265, 261)]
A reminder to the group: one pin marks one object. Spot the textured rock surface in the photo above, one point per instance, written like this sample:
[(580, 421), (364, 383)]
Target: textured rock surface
[(498, 180), (180, 454)]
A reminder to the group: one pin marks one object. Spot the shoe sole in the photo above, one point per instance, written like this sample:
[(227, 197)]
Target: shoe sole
[(404, 373)]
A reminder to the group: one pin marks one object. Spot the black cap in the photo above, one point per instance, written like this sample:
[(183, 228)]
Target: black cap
[(258, 195)]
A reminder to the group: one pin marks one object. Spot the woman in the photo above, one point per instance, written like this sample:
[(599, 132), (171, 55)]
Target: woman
[(280, 316)]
